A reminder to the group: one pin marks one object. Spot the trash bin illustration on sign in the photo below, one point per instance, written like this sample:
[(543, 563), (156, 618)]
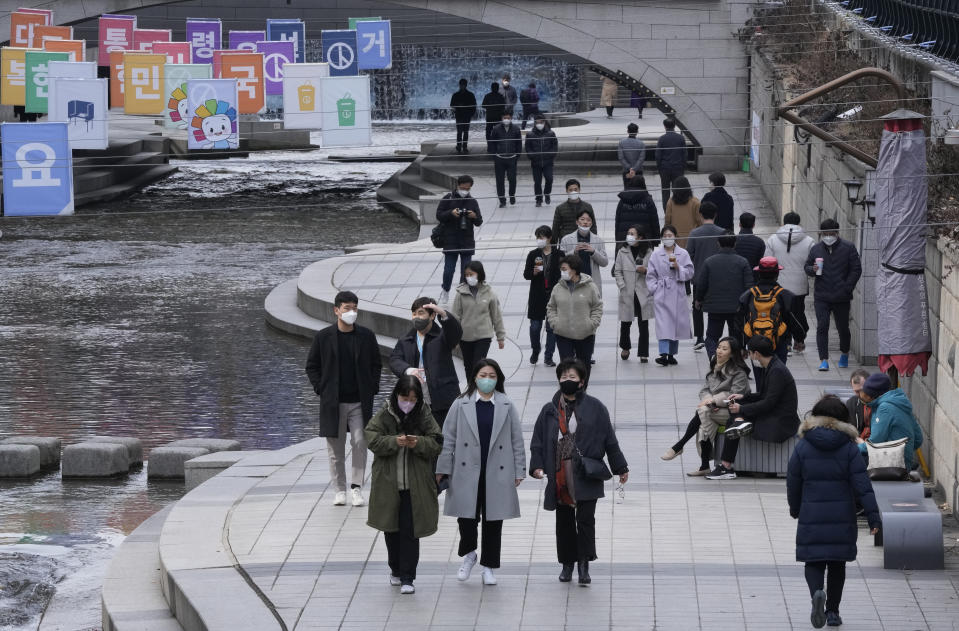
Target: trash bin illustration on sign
[(307, 96), (346, 110)]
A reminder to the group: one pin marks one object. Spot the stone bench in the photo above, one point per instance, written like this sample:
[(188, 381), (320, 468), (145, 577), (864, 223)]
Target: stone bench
[(908, 491), (19, 461), (94, 460), (49, 448), (911, 535), (133, 446), (756, 456)]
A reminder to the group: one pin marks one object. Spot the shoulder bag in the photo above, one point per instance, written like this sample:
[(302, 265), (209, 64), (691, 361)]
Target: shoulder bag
[(887, 461)]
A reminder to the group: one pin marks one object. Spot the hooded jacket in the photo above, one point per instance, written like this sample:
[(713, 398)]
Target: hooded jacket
[(541, 146), (825, 477), (575, 313), (892, 419), (479, 315), (790, 245), (841, 270), (636, 208)]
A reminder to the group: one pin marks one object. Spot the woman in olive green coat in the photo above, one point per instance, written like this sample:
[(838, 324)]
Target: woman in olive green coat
[(405, 439)]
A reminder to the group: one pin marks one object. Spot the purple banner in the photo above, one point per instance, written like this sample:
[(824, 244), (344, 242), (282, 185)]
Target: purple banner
[(275, 56), (246, 40), (205, 35)]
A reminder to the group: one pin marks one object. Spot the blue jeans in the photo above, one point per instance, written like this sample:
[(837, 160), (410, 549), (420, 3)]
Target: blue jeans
[(535, 329), (449, 266), (668, 347)]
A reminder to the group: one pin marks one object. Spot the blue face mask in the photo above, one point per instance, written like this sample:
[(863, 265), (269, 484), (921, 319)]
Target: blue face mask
[(486, 385)]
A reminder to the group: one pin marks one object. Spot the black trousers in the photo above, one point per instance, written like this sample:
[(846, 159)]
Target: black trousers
[(714, 329), (666, 182), (474, 351), (642, 346), (816, 577), (462, 135), (798, 311), (402, 548), (505, 168), (492, 531), (692, 428), (542, 172), (699, 329), (580, 349), (489, 132), (576, 532), (840, 314)]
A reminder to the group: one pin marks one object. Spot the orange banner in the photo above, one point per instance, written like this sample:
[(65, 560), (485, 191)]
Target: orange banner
[(22, 26), (247, 69), (51, 32), (143, 83), (76, 47), (116, 79)]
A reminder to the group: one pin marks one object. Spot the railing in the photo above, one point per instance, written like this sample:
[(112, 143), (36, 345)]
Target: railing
[(931, 25)]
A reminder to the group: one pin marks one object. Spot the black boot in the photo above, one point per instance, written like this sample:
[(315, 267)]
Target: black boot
[(706, 448), (583, 568), (567, 574)]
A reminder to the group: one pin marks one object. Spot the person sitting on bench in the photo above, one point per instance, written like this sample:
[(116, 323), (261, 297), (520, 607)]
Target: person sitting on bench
[(892, 417), (769, 415)]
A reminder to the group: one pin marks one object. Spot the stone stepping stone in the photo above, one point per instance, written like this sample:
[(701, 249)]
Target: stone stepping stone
[(94, 460), (49, 448), (133, 446), (168, 462), (210, 444), (19, 461)]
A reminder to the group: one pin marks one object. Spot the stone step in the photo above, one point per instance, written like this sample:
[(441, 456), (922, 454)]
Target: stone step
[(114, 191)]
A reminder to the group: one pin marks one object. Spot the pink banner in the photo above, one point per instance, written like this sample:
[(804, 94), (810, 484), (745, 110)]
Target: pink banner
[(176, 52), (145, 38), (116, 33)]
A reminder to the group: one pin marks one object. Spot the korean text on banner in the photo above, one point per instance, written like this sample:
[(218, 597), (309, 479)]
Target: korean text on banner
[(143, 83), (301, 87), (289, 31), (345, 103), (212, 106), (175, 78), (116, 79), (176, 52), (374, 45), (36, 82), (246, 40), (247, 69), (205, 36), (82, 104), (13, 76), (71, 70), (145, 38), (22, 26), (76, 48), (339, 50), (354, 21), (275, 56), (37, 169), (46, 31), (218, 61), (116, 33)]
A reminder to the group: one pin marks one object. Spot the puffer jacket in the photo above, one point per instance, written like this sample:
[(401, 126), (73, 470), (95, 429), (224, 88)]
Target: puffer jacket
[(575, 313), (825, 477), (841, 270), (790, 245), (893, 418), (636, 208), (541, 146)]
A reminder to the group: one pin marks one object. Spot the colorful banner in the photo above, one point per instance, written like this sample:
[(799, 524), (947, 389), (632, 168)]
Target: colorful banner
[(289, 31), (76, 48), (36, 81), (354, 21), (41, 33), (339, 50), (176, 52), (145, 38), (247, 69), (116, 79), (301, 92), (205, 36), (37, 169), (374, 45), (82, 104), (275, 56), (22, 26), (143, 83), (175, 78), (71, 70), (218, 60), (116, 33), (246, 40), (212, 105), (345, 105), (13, 76)]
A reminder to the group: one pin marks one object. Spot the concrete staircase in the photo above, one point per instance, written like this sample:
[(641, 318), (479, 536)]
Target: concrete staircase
[(121, 169)]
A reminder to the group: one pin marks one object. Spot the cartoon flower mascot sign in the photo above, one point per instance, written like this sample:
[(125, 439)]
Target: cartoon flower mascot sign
[(214, 125)]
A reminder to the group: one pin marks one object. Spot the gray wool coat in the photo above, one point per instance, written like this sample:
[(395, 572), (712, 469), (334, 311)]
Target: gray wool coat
[(630, 282), (461, 459)]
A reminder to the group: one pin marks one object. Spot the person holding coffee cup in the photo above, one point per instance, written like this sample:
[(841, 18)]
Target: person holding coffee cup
[(668, 271)]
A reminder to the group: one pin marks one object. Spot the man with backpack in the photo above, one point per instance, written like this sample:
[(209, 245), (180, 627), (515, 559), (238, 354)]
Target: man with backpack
[(456, 215), (766, 309)]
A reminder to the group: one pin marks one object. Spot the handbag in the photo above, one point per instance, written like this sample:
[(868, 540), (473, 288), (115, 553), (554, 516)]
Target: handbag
[(438, 236), (593, 468), (887, 461)]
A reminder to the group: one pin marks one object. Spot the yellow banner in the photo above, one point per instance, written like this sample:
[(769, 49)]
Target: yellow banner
[(13, 76), (143, 84)]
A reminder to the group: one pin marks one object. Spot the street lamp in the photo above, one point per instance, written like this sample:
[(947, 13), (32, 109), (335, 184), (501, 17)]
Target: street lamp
[(867, 202), (852, 190)]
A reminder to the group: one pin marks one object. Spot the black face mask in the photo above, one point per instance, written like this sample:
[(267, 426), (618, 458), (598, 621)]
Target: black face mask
[(421, 324), (569, 386)]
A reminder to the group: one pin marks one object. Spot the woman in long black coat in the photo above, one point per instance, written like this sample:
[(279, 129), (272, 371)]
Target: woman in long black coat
[(825, 478), (542, 272), (574, 424)]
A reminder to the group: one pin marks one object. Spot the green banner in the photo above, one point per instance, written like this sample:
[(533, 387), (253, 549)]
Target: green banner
[(37, 84), (353, 21)]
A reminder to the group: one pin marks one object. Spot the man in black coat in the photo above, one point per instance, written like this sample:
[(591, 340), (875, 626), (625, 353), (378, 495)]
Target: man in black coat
[(723, 200), (702, 244), (458, 213), (635, 208), (720, 282), (768, 415), (542, 272), (463, 104), (494, 104), (541, 149), (836, 279), (344, 367), (529, 99), (748, 245), (507, 143), (427, 352), (670, 157)]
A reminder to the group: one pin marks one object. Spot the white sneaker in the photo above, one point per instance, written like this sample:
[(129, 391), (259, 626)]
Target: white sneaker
[(358, 499), (444, 297), (395, 581), (407, 589), (488, 577), (467, 566), (340, 498)]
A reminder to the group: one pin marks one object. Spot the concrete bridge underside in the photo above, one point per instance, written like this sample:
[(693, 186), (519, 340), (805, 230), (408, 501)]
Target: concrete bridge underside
[(685, 51)]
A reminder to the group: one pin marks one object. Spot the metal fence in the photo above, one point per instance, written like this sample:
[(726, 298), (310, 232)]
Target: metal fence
[(931, 25)]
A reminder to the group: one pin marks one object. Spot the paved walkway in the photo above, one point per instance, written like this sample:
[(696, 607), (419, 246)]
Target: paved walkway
[(674, 552)]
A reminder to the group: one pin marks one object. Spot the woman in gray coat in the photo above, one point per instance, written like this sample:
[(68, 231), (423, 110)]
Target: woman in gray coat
[(629, 271), (485, 460)]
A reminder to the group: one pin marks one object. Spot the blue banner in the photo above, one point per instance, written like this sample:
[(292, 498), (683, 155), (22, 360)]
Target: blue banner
[(37, 169), (373, 44), (289, 31), (339, 50)]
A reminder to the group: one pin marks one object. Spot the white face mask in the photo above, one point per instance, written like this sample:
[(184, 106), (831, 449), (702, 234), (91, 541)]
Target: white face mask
[(830, 241), (505, 82), (631, 239), (669, 243), (574, 195), (541, 243), (507, 122), (348, 317), (583, 229), (540, 126), (564, 274), (472, 281), (462, 192)]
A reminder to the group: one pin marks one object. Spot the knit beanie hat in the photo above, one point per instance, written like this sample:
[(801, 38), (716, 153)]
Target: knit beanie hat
[(877, 385)]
